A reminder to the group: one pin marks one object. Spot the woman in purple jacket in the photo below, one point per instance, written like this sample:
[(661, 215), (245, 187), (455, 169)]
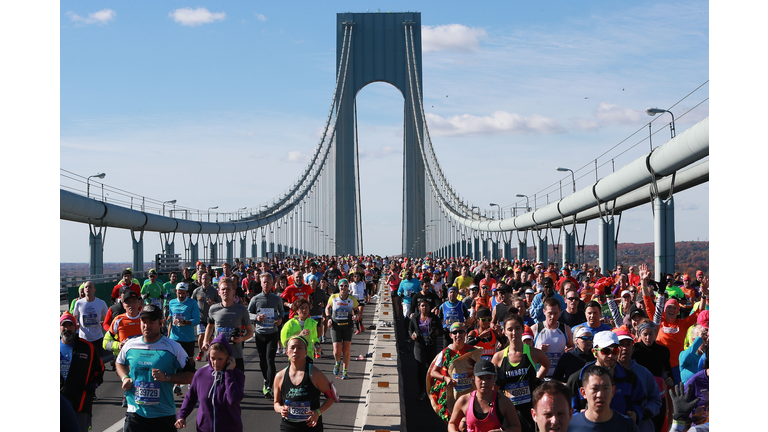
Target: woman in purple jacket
[(219, 388)]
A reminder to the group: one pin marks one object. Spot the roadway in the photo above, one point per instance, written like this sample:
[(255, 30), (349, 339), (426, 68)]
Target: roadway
[(257, 412)]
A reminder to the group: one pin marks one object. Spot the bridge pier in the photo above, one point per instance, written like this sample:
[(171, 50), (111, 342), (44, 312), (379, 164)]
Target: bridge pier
[(476, 249), (243, 249), (194, 254), (663, 237), (230, 248), (569, 246), (96, 263), (522, 248), (508, 250), (169, 247), (607, 247), (138, 252), (484, 252), (214, 252), (542, 250)]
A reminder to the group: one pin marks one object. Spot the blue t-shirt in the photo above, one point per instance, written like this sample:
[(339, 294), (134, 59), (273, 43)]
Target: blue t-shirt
[(149, 398), (65, 358), (617, 423), (407, 288), (183, 311)]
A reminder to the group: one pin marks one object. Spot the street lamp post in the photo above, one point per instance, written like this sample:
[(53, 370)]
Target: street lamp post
[(88, 183), (239, 210), (573, 177), (167, 202), (527, 201), (473, 211), (653, 111), (209, 212), (493, 204)]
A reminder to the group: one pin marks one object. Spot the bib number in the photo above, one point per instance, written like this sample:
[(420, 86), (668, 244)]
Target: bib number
[(518, 393), (298, 411), (226, 331), (90, 320), (463, 382), (342, 315), (269, 318), (180, 317), (147, 393)]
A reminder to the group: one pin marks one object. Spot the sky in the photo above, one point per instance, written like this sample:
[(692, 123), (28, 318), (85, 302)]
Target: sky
[(156, 94)]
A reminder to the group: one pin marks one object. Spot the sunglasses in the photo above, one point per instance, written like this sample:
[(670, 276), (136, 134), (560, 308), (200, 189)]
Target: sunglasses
[(586, 338), (484, 319), (571, 298), (343, 285), (458, 332), (609, 351)]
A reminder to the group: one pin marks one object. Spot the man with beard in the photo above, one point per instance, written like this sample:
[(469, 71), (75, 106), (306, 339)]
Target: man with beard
[(80, 370)]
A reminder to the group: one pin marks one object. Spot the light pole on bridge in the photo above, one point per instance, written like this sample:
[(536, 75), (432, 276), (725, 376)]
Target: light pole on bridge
[(209, 212), (88, 183), (168, 202), (653, 111), (573, 177)]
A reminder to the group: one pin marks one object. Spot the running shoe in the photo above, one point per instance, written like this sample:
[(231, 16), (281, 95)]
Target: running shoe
[(199, 356), (357, 332), (344, 374), (336, 368), (177, 390), (322, 339), (362, 329), (267, 392), (317, 355)]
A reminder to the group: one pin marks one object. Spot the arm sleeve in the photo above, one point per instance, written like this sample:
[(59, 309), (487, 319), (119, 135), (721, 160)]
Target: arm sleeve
[(234, 383), (618, 318), (688, 357), (195, 314), (650, 308), (536, 310)]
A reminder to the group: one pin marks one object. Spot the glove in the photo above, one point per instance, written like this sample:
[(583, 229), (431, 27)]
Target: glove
[(683, 402)]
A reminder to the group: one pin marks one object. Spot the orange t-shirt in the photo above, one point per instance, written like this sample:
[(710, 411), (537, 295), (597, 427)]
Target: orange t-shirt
[(671, 336), (125, 328)]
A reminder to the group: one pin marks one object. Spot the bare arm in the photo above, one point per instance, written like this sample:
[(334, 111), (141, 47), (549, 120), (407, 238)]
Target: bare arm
[(459, 411), (509, 412), (542, 360)]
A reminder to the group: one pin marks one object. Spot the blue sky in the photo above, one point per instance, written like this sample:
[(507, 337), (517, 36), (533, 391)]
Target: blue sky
[(163, 95)]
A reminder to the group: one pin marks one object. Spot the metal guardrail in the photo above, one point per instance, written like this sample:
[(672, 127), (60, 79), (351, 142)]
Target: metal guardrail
[(68, 282)]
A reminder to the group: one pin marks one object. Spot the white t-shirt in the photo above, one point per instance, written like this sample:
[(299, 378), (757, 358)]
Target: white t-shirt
[(357, 289), (89, 317)]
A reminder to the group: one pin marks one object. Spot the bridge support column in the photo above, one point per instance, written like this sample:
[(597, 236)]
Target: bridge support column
[(230, 248), (494, 250), (170, 248), (138, 252), (96, 263), (663, 237), (214, 254), (254, 250), (484, 248), (194, 254), (569, 247), (243, 249), (508, 250), (607, 257), (522, 249), (542, 249), (476, 249)]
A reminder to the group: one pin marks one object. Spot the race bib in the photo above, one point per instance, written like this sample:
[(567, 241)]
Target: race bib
[(553, 359), (156, 302), (180, 317), (64, 367), (226, 331), (342, 315), (518, 393), (463, 382), (90, 320), (298, 411), (147, 393), (269, 318), (670, 330)]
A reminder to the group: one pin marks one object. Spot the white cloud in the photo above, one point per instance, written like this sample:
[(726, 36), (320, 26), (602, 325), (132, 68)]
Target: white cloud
[(297, 156), (189, 17), (609, 114), (260, 17), (501, 122), (451, 37), (101, 17)]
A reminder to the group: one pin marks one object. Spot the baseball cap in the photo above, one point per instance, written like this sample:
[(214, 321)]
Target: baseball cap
[(456, 326), (625, 292), (582, 331), (623, 333), (152, 272), (529, 291), (605, 339), (152, 312), (66, 316), (129, 293), (484, 367), (703, 319), (181, 286), (486, 313), (127, 272)]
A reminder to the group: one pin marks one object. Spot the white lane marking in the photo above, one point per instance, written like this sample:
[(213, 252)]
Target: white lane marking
[(116, 427)]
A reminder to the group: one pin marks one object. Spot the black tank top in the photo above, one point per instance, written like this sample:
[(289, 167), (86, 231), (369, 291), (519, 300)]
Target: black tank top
[(518, 383), (303, 399)]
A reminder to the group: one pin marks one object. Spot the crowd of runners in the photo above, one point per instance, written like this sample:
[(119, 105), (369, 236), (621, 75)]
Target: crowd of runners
[(569, 348)]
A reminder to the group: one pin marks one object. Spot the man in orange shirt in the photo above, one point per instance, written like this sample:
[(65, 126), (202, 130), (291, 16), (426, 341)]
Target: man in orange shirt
[(673, 330)]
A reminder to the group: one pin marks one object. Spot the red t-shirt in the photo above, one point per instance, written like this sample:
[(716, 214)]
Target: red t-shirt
[(293, 293), (116, 290)]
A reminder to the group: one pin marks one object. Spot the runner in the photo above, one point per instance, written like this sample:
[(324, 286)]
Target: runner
[(184, 317), (452, 311), (357, 289), (218, 388), (444, 382), (297, 391), (148, 367), (124, 326), (266, 310), (484, 410), (598, 390), (424, 329), (317, 301), (518, 377), (206, 296), (80, 370), (551, 409), (126, 281), (231, 319), (652, 403), (170, 292), (152, 291), (301, 324), (89, 314), (342, 309), (550, 336), (484, 336)]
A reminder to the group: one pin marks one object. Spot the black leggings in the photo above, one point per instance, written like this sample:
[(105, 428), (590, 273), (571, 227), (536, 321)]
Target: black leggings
[(266, 345)]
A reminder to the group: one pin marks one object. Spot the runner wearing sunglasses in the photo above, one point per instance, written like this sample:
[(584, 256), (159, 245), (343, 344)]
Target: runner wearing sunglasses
[(574, 360), (628, 395)]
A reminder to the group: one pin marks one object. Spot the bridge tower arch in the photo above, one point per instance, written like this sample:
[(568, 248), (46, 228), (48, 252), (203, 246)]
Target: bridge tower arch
[(379, 52)]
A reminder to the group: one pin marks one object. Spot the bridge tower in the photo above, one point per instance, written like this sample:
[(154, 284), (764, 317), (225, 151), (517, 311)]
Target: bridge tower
[(378, 53)]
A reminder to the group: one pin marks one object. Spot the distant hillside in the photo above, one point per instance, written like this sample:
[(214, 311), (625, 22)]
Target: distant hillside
[(81, 269), (690, 256)]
